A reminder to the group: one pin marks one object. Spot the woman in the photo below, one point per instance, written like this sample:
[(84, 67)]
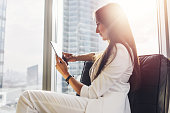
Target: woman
[(109, 74)]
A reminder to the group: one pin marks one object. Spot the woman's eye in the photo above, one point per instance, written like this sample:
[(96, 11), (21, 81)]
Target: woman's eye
[(98, 24)]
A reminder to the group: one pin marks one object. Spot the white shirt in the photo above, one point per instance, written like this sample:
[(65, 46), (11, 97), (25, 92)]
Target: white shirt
[(108, 92)]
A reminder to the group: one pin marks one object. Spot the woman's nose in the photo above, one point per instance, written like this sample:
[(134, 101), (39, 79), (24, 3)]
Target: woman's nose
[(97, 30)]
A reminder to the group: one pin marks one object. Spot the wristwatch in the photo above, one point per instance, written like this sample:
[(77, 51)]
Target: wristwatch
[(67, 79)]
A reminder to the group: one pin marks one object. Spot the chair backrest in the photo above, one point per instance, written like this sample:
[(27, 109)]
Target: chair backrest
[(153, 95), (85, 78)]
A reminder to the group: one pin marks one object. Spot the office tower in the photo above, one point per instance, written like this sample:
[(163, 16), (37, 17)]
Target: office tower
[(32, 75), (79, 32), (2, 37)]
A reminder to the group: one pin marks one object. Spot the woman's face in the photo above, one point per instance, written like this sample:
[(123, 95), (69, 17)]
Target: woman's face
[(101, 29)]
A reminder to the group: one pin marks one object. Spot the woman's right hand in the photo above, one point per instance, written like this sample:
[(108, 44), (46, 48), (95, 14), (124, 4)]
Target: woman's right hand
[(69, 57)]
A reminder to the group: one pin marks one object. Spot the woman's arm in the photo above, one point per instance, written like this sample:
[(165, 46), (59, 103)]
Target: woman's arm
[(76, 85), (72, 58), (61, 66), (85, 57)]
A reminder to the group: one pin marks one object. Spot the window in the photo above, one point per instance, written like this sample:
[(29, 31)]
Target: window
[(142, 16), (168, 14), (168, 6), (163, 20), (21, 57)]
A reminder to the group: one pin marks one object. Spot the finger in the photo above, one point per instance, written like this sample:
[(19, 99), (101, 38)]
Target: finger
[(57, 66), (60, 60), (67, 54), (57, 59)]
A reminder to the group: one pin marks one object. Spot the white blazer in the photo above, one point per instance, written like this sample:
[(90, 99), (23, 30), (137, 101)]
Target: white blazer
[(108, 92)]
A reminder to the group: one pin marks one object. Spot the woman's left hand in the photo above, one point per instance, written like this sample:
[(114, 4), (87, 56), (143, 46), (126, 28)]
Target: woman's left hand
[(61, 66)]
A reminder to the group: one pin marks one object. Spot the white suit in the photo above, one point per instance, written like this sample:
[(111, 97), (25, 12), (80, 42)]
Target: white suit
[(106, 94), (111, 87)]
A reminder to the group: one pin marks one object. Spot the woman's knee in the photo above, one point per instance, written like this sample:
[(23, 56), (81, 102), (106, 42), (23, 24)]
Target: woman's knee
[(25, 102), (25, 95)]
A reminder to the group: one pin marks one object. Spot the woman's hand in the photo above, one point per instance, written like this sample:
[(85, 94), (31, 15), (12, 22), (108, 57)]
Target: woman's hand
[(61, 66), (69, 57)]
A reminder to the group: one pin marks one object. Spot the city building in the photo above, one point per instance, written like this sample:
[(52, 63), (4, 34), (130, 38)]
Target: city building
[(2, 37), (79, 32), (32, 75)]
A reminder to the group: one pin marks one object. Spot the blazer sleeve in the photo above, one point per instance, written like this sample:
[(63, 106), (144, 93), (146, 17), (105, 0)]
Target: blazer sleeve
[(108, 76)]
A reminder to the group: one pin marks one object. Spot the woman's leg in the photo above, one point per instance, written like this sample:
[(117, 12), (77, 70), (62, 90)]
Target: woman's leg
[(50, 102)]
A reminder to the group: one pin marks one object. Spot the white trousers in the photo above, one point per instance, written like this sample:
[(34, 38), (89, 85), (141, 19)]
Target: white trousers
[(50, 102)]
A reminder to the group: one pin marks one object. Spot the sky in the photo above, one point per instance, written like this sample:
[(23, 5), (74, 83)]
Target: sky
[(25, 25), (24, 34), (142, 16)]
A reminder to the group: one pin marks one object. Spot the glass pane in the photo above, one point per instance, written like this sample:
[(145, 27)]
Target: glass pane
[(21, 55), (168, 55), (162, 26), (142, 15), (78, 34), (168, 5), (168, 8)]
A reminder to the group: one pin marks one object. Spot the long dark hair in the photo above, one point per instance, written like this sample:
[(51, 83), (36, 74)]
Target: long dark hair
[(119, 31)]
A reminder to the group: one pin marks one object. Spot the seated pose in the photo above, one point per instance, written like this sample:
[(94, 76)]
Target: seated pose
[(109, 74)]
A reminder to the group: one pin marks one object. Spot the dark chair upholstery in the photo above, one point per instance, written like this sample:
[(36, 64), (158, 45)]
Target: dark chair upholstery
[(153, 95), (85, 79)]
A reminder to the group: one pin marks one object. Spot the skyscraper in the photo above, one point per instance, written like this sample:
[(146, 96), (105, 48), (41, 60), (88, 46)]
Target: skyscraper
[(2, 37), (79, 35), (32, 75)]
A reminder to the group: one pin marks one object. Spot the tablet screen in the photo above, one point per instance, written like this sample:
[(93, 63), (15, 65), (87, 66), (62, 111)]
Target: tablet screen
[(55, 48)]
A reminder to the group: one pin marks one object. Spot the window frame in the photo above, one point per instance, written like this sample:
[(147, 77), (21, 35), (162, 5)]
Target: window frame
[(47, 53)]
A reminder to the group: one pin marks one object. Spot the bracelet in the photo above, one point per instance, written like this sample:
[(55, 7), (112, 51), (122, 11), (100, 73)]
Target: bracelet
[(67, 79)]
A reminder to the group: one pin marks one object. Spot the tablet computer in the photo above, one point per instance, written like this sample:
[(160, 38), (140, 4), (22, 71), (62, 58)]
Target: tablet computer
[(54, 46)]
